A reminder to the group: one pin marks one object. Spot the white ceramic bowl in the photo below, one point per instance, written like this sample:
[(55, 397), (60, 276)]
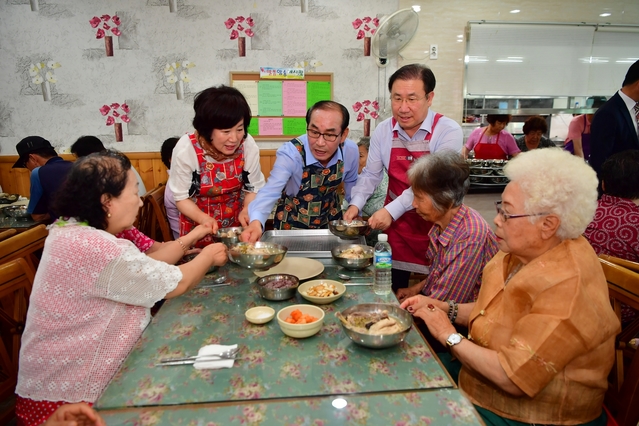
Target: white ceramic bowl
[(303, 288), (259, 314), (300, 331)]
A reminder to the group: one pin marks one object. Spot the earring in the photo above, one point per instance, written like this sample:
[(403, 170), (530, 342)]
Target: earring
[(108, 214)]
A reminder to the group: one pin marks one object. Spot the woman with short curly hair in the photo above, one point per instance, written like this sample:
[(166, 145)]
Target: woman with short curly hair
[(541, 335)]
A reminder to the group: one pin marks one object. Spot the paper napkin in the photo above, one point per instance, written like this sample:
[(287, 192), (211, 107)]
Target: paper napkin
[(214, 364)]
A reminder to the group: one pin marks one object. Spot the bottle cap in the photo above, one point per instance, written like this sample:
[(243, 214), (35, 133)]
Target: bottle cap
[(382, 237)]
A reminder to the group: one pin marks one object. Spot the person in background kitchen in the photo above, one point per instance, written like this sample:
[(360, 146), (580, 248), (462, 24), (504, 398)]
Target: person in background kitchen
[(533, 138), (414, 130), (304, 181), (172, 212), (492, 142), (578, 139), (615, 126), (86, 145), (215, 171), (541, 338), (48, 173)]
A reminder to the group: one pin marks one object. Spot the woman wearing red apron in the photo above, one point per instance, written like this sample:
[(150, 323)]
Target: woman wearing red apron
[(215, 171), (492, 142)]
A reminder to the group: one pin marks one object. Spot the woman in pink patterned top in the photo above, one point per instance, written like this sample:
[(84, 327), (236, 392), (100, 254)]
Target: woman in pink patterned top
[(92, 292)]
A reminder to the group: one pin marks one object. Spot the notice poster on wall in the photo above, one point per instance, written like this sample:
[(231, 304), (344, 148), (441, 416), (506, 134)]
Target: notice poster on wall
[(278, 107)]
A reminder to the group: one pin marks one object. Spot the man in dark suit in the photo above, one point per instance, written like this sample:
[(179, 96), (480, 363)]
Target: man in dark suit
[(614, 126)]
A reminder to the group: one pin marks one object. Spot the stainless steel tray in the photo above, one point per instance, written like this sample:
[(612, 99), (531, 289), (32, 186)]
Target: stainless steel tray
[(313, 243)]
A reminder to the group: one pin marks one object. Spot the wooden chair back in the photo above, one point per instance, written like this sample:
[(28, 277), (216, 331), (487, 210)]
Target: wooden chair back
[(153, 221), (26, 245), (629, 264), (623, 398), (6, 234), (16, 281)]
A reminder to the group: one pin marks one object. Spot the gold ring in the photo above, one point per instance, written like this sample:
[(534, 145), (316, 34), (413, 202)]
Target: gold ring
[(431, 307)]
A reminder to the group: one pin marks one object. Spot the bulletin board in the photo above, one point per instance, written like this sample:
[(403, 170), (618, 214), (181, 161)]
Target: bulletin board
[(279, 107)]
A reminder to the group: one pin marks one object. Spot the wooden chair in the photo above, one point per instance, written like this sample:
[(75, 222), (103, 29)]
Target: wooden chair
[(16, 280), (633, 266), (153, 221), (6, 234), (623, 396), (26, 245)]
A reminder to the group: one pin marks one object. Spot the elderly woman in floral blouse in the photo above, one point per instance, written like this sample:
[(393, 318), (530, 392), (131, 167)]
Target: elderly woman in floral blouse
[(92, 291), (542, 331)]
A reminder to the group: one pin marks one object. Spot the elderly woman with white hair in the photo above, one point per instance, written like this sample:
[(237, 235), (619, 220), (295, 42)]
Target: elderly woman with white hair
[(542, 331)]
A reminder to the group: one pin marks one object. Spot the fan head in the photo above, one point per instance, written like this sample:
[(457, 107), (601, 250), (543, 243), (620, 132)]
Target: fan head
[(393, 34)]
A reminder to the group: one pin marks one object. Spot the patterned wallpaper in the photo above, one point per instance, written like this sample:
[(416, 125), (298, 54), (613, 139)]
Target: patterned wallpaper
[(127, 70)]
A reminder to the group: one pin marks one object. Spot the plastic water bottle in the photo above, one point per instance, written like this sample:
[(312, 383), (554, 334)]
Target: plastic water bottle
[(383, 265)]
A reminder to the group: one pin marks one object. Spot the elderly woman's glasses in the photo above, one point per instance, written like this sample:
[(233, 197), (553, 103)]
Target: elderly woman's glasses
[(505, 216), (328, 137)]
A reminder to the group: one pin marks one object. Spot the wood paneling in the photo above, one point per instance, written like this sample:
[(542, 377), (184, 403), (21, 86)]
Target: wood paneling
[(148, 164)]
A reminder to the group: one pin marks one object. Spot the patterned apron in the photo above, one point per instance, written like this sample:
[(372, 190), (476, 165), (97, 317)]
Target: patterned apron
[(489, 151), (408, 235), (217, 191), (317, 201)]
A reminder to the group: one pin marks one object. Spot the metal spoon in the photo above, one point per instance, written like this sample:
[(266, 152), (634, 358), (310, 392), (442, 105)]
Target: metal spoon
[(344, 276)]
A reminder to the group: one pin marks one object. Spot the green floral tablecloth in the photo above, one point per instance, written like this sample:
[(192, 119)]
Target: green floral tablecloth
[(438, 407), (273, 365)]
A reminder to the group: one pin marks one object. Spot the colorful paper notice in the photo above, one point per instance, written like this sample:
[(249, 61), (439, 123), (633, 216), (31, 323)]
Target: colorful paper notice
[(294, 98), (317, 91), (270, 126), (282, 73), (249, 90), (294, 126), (269, 98), (253, 128)]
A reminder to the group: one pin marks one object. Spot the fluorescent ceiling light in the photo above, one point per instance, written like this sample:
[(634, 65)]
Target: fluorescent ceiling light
[(605, 14), (515, 11), (509, 60)]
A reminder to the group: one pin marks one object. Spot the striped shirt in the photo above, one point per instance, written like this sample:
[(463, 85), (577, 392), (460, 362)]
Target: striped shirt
[(458, 255)]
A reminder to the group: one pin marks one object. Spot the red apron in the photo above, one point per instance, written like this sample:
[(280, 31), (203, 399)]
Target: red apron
[(220, 192), (407, 235), (489, 151)]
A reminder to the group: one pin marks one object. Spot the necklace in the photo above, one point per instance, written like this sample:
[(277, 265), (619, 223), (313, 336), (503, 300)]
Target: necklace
[(513, 272)]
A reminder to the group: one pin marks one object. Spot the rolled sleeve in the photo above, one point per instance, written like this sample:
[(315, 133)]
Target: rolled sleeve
[(252, 165), (351, 165), (183, 164)]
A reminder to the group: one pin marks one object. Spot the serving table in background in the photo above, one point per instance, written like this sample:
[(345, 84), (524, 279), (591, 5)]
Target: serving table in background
[(276, 370)]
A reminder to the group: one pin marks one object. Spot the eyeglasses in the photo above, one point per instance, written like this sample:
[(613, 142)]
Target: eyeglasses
[(505, 216), (410, 101), (328, 137)]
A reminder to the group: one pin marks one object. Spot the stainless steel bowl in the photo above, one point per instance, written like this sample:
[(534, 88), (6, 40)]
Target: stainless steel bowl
[(377, 341), (349, 230), (229, 236), (17, 212), (277, 293), (353, 264), (190, 257), (274, 254)]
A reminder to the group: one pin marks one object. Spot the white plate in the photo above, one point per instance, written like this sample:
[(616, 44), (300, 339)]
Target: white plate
[(303, 268)]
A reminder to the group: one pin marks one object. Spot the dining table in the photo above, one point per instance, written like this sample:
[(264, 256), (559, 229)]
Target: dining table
[(19, 224), (324, 379)]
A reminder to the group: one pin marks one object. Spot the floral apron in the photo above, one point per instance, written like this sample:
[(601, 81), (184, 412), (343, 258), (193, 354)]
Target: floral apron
[(489, 151), (317, 201), (408, 235), (217, 191)]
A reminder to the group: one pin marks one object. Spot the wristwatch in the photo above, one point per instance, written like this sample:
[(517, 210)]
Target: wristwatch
[(454, 339)]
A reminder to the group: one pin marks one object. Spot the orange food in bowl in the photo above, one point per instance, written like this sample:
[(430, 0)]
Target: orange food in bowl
[(297, 317)]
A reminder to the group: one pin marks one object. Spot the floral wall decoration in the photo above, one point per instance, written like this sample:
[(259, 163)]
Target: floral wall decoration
[(365, 111), (41, 74), (104, 25), (115, 118), (309, 66), (177, 73), (366, 28), (239, 26)]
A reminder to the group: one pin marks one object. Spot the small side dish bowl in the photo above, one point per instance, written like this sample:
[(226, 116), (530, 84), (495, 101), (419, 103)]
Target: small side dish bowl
[(349, 230), (358, 256), (300, 331), (340, 289), (259, 314), (229, 236), (378, 341), (190, 257), (278, 286), (258, 255)]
